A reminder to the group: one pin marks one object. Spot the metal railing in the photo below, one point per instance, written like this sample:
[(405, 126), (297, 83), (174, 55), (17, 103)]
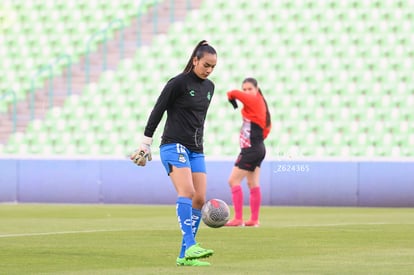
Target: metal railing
[(104, 33), (35, 77), (69, 74), (14, 112), (49, 68)]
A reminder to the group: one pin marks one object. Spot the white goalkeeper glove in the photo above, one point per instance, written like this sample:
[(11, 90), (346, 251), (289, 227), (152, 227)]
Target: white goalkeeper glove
[(140, 156)]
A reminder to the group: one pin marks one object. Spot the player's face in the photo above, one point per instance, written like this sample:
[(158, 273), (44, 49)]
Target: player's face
[(249, 88), (204, 66)]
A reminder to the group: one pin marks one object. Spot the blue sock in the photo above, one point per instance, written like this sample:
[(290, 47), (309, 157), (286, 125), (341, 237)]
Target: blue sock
[(184, 214), (196, 218)]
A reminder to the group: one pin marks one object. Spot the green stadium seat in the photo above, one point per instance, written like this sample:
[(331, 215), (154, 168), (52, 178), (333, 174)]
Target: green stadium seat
[(336, 75)]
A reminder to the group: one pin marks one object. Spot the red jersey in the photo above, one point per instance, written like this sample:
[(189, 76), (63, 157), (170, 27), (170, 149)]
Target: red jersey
[(254, 114)]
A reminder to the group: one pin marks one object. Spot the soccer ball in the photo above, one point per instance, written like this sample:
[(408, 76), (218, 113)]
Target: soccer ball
[(215, 213)]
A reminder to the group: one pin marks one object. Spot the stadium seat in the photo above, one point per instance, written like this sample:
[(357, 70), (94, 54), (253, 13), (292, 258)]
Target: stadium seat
[(336, 75)]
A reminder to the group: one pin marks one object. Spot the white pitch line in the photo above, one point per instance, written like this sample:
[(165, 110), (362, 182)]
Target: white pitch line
[(335, 224), (58, 233), (114, 230)]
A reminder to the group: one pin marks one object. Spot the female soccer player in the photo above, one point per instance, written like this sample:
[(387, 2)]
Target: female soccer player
[(256, 126), (186, 98)]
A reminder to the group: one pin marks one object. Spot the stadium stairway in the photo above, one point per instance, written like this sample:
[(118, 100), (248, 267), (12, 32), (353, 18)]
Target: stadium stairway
[(96, 63)]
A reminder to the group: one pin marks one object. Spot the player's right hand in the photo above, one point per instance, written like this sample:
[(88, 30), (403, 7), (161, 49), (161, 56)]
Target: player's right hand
[(143, 153)]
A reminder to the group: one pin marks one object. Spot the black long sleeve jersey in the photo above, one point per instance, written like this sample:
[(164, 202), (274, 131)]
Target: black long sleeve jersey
[(186, 97)]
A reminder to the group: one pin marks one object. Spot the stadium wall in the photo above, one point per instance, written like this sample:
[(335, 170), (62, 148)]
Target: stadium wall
[(295, 183)]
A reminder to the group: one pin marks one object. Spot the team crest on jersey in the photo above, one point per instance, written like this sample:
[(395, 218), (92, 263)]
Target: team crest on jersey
[(181, 158), (209, 96), (192, 93)]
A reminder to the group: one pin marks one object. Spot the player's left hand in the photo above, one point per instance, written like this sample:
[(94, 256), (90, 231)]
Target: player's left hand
[(234, 103)]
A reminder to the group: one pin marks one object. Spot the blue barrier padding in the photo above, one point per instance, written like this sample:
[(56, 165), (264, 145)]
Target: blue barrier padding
[(387, 184), (314, 183), (8, 180), (63, 181), (307, 183)]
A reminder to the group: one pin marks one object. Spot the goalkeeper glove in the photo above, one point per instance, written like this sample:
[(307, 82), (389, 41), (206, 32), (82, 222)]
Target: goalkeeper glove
[(140, 156)]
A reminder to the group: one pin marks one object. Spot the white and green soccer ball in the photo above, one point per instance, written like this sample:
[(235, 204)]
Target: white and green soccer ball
[(215, 213)]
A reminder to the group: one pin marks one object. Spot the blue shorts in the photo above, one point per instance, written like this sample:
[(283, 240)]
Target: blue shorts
[(177, 155)]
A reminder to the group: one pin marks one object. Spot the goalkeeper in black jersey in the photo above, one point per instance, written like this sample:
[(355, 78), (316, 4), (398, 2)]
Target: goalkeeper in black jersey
[(186, 98)]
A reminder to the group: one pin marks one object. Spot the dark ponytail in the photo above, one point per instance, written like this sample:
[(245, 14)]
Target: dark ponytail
[(254, 82), (201, 48), (268, 119)]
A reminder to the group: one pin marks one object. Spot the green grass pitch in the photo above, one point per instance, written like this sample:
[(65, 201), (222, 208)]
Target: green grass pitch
[(138, 239)]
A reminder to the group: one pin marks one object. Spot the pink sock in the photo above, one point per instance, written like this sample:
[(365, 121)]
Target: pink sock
[(237, 196), (255, 201)]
